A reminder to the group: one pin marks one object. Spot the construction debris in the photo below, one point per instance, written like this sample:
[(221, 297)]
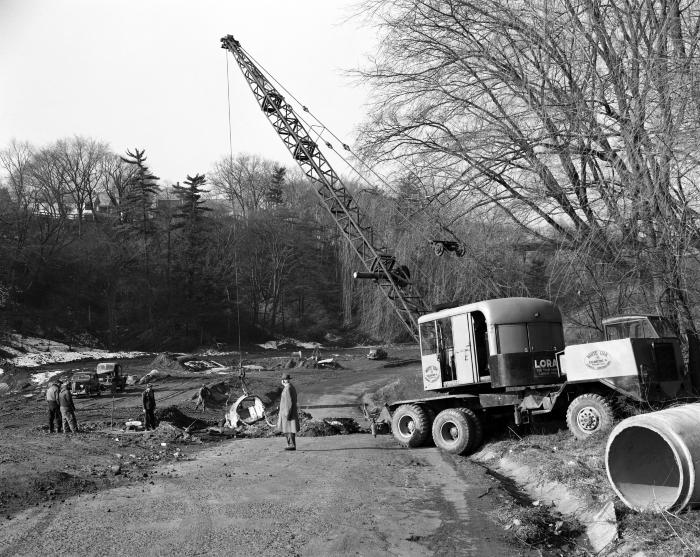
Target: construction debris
[(377, 354), (152, 376)]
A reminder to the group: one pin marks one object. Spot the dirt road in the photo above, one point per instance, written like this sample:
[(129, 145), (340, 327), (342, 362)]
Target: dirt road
[(343, 495)]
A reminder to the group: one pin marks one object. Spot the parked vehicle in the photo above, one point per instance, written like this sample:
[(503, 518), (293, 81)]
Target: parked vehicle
[(507, 357), (84, 383), (111, 376)]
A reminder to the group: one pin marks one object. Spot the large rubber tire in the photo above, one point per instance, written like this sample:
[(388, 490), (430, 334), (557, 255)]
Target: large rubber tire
[(455, 431), (478, 428), (410, 425), (589, 414)]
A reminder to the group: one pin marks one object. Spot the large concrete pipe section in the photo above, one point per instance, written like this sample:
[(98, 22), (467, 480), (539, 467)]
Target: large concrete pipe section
[(652, 459)]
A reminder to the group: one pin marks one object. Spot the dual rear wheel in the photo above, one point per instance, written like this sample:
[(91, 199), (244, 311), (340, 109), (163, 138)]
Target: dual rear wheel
[(454, 430)]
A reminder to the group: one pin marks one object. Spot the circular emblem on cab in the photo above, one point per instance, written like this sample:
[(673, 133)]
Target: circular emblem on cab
[(598, 359), (431, 374)]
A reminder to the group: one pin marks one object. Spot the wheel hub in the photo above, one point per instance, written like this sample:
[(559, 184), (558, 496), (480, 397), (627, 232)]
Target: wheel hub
[(407, 426), (588, 419), (450, 432)]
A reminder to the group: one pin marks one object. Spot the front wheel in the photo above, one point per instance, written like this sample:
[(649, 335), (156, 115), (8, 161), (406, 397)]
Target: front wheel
[(410, 425), (457, 430), (589, 414)]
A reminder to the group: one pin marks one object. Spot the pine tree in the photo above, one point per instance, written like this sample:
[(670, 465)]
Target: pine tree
[(138, 209), (191, 220), (274, 195)]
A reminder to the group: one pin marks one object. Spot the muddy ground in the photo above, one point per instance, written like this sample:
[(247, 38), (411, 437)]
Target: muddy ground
[(39, 468), (42, 472)]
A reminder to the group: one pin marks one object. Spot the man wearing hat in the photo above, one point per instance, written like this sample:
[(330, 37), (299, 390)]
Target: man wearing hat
[(149, 407), (54, 408), (288, 419), (65, 401)]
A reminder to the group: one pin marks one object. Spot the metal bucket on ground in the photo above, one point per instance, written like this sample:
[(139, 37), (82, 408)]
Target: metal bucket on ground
[(652, 459)]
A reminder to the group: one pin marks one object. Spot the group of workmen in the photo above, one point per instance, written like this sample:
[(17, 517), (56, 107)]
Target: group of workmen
[(62, 409)]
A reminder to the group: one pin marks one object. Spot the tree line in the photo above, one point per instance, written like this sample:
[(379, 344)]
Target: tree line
[(93, 241), (554, 140)]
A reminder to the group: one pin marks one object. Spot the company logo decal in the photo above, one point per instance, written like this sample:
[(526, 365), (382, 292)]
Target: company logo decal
[(544, 366), (598, 359), (431, 374)]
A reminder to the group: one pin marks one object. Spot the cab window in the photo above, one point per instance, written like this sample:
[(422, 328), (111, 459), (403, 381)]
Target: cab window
[(428, 339), (545, 336), (512, 339)]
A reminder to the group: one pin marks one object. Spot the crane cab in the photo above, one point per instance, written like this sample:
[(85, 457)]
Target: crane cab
[(506, 342), (637, 326)]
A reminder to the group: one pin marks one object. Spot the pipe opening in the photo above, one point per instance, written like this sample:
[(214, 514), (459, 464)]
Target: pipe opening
[(644, 469)]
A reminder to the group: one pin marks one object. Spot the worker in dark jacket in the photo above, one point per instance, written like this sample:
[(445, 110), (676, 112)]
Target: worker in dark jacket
[(203, 395), (65, 401), (54, 408), (149, 407), (288, 419)]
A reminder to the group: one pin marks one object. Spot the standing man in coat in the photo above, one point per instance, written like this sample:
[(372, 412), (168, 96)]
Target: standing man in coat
[(288, 419), (203, 395), (54, 408), (65, 401), (149, 407)]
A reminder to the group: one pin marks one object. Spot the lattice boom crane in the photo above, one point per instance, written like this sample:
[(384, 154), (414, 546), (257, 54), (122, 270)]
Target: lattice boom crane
[(379, 264)]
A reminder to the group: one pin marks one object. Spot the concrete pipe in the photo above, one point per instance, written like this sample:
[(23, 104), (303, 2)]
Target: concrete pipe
[(652, 459)]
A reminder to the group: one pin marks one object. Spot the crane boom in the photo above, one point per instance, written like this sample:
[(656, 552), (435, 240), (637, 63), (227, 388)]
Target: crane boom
[(393, 279)]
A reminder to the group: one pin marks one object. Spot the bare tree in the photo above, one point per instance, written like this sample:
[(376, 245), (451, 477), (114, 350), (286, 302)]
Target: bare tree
[(573, 119), (81, 162), (244, 181), (16, 162)]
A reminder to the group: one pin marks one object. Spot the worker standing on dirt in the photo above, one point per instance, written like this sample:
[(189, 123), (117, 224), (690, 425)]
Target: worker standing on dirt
[(65, 401), (149, 407), (54, 408), (203, 395), (288, 419)]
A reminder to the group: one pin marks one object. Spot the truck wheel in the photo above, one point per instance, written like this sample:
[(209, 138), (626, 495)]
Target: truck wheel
[(589, 414), (410, 425), (455, 430), (478, 427)]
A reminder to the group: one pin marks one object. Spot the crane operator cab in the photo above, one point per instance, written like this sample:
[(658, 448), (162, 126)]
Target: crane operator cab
[(507, 342)]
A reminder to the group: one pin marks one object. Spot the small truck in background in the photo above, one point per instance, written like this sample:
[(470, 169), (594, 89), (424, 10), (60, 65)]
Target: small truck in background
[(111, 376), (506, 358), (84, 383)]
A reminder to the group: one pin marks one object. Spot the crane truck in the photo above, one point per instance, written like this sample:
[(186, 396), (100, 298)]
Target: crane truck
[(490, 358), (507, 356)]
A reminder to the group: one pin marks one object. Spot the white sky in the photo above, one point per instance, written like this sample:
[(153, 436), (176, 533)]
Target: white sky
[(151, 74)]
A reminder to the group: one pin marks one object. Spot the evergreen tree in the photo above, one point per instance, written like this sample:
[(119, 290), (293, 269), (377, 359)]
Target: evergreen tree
[(274, 195), (137, 216), (138, 209), (192, 222)]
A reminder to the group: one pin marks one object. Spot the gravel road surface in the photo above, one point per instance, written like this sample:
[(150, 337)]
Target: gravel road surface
[(342, 495)]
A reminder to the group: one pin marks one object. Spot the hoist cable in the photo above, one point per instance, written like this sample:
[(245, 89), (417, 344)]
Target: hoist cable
[(235, 249)]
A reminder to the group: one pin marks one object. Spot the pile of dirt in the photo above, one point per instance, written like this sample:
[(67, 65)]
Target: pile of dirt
[(174, 416), (328, 426), (166, 360), (220, 392), (313, 363)]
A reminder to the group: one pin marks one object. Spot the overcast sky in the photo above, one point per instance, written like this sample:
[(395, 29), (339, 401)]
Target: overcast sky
[(151, 74)]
